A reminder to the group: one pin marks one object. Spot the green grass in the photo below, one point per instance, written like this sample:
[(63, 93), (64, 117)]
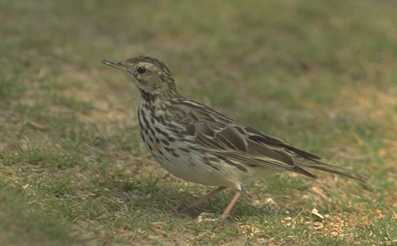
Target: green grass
[(320, 74)]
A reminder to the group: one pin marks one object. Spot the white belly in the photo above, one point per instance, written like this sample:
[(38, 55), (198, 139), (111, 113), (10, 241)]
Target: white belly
[(190, 167)]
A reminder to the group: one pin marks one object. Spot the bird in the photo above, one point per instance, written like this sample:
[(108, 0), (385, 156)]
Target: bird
[(199, 144)]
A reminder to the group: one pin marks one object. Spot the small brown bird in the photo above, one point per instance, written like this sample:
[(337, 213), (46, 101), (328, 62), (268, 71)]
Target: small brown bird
[(198, 144)]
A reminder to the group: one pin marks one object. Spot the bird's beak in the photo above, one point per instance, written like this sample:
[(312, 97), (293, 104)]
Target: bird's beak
[(116, 65)]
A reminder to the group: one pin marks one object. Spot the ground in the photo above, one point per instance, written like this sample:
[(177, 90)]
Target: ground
[(320, 74)]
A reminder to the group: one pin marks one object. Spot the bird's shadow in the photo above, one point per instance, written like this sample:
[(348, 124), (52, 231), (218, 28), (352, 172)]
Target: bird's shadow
[(153, 196)]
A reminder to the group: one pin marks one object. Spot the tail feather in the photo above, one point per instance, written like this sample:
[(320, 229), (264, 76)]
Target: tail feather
[(322, 166), (303, 171)]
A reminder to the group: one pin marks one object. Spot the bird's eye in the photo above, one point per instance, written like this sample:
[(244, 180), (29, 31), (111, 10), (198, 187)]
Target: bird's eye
[(141, 70)]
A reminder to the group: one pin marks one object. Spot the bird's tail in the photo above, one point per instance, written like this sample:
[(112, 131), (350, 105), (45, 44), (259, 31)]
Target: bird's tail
[(325, 167)]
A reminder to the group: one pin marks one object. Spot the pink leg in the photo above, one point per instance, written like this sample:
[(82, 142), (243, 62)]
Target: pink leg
[(231, 205)]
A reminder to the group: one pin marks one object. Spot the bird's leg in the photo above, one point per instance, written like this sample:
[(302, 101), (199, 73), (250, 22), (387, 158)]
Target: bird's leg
[(230, 206)]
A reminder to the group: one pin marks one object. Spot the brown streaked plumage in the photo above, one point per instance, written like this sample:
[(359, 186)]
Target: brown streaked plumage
[(198, 144)]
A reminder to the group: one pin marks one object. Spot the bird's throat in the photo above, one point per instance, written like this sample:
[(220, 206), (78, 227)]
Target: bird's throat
[(151, 97), (148, 97)]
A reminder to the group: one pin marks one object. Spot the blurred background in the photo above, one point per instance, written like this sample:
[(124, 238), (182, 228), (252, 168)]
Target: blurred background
[(320, 74)]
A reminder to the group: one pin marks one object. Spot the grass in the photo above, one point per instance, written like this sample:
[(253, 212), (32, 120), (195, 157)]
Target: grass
[(320, 74)]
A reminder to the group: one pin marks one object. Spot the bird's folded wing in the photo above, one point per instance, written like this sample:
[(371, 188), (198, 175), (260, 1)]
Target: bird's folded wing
[(221, 136), (246, 146)]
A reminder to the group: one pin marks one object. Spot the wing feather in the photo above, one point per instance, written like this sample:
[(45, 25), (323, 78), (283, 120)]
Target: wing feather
[(245, 146)]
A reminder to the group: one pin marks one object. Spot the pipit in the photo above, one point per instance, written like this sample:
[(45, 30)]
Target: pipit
[(197, 143)]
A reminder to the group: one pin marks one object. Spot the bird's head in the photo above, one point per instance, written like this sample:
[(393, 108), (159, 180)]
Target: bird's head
[(150, 75)]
